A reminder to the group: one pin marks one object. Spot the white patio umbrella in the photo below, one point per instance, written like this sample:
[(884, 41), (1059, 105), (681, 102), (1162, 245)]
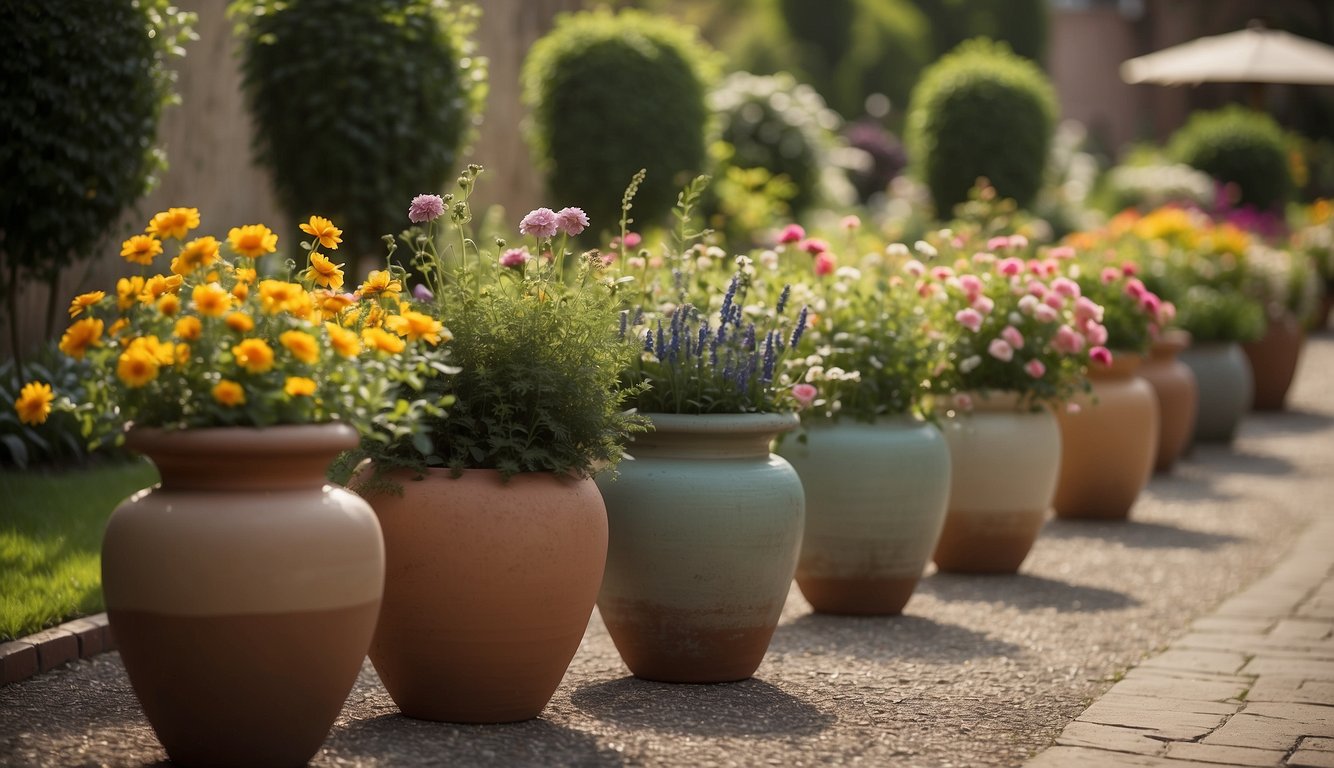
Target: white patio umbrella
[(1252, 55)]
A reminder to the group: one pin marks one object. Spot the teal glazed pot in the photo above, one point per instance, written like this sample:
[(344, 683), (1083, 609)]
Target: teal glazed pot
[(705, 527), (876, 496), (1223, 376)]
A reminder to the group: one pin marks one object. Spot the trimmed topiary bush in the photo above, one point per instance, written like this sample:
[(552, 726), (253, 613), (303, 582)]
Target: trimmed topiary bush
[(611, 94), (981, 111), (359, 104), (1237, 146)]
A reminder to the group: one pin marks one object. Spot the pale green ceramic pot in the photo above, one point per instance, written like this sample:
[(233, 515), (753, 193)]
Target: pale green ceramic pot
[(876, 496), (1224, 378), (705, 526)]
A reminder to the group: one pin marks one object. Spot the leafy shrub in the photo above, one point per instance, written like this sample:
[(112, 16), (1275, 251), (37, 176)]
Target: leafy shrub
[(981, 111), (359, 104), (1237, 146), (1213, 315), (611, 94), (60, 439)]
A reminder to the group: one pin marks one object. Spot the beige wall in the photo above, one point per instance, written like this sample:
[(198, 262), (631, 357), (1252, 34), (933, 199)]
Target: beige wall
[(1083, 56)]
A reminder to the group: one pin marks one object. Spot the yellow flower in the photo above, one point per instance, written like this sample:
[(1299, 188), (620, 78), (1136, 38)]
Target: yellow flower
[(344, 342), (169, 304), (173, 222), (182, 354), (80, 336), (240, 322), (140, 249), (34, 403), (302, 346), (416, 326), (324, 272), (198, 253), (128, 290), (254, 355), (84, 301), (229, 393), (211, 300), (118, 326), (136, 367), (189, 328), (382, 340), (252, 241), (278, 296), (332, 304), (380, 283), (164, 354), (157, 285), (320, 227), (299, 386), (246, 274), (241, 291)]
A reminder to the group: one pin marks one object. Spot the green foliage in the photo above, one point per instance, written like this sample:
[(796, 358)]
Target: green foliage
[(359, 104), (613, 93), (888, 51), (1238, 146), (60, 439), (82, 85), (1023, 24), (1219, 315), (981, 111)]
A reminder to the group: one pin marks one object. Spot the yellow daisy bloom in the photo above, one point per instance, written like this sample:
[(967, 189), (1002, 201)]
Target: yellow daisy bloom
[(380, 283), (332, 304), (211, 300), (240, 322), (324, 272), (118, 326), (163, 353), (173, 222), (344, 341), (140, 249), (197, 254), (80, 336), (299, 386), (128, 290), (254, 355), (157, 285), (320, 227), (136, 367), (302, 345), (241, 291), (252, 240), (246, 274), (189, 328), (383, 341), (416, 326), (169, 304), (229, 393), (34, 403), (279, 296), (84, 301)]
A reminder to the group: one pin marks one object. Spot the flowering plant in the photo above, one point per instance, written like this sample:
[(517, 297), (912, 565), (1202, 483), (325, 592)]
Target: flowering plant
[(1315, 238), (213, 342), (534, 337), (1132, 314), (1283, 280)]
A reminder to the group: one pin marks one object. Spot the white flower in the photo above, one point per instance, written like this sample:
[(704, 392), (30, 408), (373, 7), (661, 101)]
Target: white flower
[(969, 364), (926, 249)]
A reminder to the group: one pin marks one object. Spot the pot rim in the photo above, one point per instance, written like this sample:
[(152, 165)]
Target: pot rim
[(723, 423), (331, 436)]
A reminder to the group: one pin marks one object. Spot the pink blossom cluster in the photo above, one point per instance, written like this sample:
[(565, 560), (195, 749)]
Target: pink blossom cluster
[(544, 223)]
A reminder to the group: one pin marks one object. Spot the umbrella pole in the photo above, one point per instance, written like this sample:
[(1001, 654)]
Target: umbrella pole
[(1257, 91)]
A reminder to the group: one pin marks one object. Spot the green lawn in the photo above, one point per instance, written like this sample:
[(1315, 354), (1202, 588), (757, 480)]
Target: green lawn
[(51, 541)]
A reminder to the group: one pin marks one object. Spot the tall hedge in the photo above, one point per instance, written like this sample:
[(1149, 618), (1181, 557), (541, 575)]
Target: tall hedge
[(981, 111), (613, 93), (359, 104), (1024, 24), (1240, 146)]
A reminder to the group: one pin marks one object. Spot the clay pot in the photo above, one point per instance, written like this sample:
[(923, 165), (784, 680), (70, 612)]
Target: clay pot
[(489, 586), (706, 526), (1223, 378), (876, 496), (1108, 442), (1004, 463), (1273, 360), (242, 591), (1177, 395)]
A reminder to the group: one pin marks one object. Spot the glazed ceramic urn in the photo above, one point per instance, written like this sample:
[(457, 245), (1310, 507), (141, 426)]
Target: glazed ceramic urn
[(1177, 395), (1223, 376)]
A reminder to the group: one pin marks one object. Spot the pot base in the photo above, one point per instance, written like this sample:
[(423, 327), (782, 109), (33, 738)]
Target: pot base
[(857, 596), (669, 645), (987, 542)]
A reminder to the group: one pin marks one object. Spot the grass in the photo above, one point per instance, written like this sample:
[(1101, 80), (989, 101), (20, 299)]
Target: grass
[(51, 541)]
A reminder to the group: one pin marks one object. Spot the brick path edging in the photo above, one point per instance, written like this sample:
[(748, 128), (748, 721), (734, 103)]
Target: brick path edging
[(78, 639)]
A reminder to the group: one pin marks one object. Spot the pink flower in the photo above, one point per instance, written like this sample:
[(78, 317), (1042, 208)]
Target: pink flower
[(1167, 312), (1035, 368), (971, 285), (1150, 303), (514, 257), (1065, 287), (1001, 350), (1109, 275), (1013, 337), (814, 246), (1027, 303), (1018, 241), (915, 268), (942, 273), (1097, 333), (1062, 253), (984, 304), (632, 239), (571, 221), (1011, 266), (1045, 314), (426, 208), (1054, 300), (963, 402), (1135, 288), (1073, 407), (1037, 288), (1067, 341), (792, 233), (1101, 355), (539, 223), (998, 243), (804, 394), (969, 318), (850, 222), (1130, 268), (824, 263), (1087, 309)]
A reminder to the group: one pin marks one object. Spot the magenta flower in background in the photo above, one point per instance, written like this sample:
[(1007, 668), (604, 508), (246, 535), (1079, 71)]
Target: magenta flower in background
[(632, 239), (514, 257), (1013, 337), (540, 223), (571, 221), (1035, 368), (792, 233), (815, 246), (1067, 341), (1097, 334), (824, 263), (425, 208), (804, 394), (1100, 355), (1087, 310), (1011, 266)]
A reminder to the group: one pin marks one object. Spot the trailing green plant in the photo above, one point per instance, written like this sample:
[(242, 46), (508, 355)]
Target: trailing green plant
[(631, 88), (359, 104), (1239, 147), (981, 112), (82, 86)]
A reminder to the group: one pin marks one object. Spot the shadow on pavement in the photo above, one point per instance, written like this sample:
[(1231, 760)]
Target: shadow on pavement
[(1285, 422), (747, 708), (1025, 592), (1231, 460), (394, 739), (887, 637), (1136, 534)]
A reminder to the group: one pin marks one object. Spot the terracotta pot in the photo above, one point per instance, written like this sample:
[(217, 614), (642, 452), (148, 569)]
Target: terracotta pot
[(1175, 389), (1223, 378), (242, 591), (1107, 443), (876, 496), (706, 526), (1003, 464), (1273, 360), (489, 586)]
